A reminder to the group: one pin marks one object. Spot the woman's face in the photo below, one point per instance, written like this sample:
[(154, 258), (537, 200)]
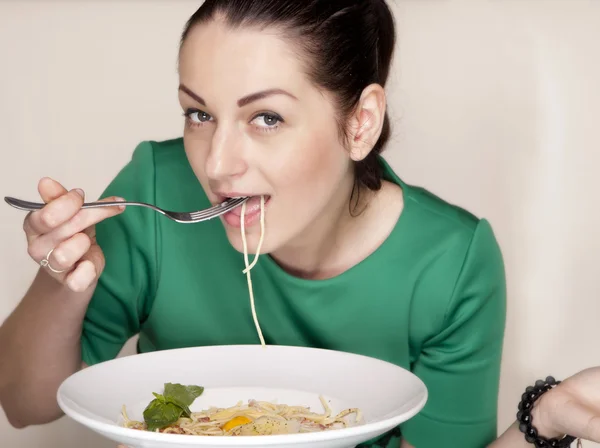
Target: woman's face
[(257, 126)]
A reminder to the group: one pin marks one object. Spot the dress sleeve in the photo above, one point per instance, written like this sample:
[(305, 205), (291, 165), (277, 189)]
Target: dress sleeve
[(460, 365), (129, 241)]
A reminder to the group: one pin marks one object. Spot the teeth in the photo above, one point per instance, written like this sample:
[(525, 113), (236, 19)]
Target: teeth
[(242, 197)]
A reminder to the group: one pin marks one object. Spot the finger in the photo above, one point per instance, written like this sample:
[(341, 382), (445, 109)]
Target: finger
[(82, 277), (82, 220), (50, 190), (91, 232), (69, 252), (54, 214), (87, 271), (579, 420), (96, 257)]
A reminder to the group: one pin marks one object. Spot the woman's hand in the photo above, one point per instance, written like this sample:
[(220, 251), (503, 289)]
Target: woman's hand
[(572, 407), (62, 236)]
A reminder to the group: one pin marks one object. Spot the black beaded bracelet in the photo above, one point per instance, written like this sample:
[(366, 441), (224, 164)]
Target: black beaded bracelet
[(532, 393)]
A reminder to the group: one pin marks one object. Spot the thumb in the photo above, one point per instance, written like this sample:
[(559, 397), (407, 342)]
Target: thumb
[(49, 189), (578, 420)]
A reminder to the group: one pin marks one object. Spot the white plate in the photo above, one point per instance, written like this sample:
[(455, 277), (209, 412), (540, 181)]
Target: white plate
[(386, 394)]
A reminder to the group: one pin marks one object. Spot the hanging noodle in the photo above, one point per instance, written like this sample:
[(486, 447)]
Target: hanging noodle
[(249, 267), (257, 418)]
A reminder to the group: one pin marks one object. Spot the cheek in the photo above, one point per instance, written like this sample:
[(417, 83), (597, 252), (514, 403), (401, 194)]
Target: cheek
[(196, 152), (317, 162)]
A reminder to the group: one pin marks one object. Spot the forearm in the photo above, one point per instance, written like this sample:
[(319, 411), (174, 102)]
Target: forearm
[(39, 348), (512, 437)]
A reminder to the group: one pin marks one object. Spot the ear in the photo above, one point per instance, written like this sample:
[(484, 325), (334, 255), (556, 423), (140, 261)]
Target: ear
[(366, 122)]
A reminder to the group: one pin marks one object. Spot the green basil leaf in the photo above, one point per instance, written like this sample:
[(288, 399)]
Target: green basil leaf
[(159, 414), (194, 391), (159, 397), (182, 396)]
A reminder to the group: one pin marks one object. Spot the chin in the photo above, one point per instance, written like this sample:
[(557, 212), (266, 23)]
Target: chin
[(235, 239)]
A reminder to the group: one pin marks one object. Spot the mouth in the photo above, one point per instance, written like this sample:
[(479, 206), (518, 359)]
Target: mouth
[(252, 212)]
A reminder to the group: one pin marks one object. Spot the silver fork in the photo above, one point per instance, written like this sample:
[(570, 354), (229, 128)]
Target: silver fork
[(182, 217)]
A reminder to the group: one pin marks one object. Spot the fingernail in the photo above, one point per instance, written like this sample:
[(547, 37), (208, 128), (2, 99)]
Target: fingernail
[(121, 207), (80, 192)]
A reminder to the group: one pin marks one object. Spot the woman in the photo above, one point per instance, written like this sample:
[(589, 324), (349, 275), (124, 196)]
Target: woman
[(283, 100)]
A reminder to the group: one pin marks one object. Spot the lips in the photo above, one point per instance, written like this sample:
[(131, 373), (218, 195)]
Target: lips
[(233, 218)]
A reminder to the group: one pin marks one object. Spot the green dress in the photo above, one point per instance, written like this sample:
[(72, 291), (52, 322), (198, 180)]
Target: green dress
[(431, 298)]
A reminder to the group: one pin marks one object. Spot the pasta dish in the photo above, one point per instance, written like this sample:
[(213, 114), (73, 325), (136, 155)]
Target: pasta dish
[(256, 418)]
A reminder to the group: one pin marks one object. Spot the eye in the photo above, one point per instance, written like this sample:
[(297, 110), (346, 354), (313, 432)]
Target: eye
[(267, 121), (196, 117)]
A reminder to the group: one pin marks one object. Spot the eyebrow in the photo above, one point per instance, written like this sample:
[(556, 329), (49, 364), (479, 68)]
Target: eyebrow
[(261, 95), (198, 98), (242, 101)]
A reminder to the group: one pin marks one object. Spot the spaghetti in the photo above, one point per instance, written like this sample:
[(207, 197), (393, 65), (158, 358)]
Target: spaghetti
[(250, 266), (257, 418)]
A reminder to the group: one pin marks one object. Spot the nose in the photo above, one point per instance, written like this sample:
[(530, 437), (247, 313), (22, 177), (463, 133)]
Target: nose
[(226, 156)]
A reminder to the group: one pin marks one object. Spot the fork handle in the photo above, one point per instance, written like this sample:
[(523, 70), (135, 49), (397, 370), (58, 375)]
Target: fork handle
[(33, 206)]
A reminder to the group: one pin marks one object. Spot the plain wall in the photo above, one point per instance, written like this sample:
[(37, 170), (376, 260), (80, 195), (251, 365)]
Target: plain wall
[(495, 105)]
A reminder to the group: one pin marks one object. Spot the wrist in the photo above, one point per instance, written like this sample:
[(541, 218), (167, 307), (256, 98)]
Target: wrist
[(540, 419), (535, 416)]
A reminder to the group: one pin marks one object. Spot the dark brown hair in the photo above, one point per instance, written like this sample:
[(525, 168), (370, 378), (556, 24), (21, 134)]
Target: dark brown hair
[(349, 45)]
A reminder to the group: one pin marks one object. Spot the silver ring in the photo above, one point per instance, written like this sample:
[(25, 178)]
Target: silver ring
[(45, 263)]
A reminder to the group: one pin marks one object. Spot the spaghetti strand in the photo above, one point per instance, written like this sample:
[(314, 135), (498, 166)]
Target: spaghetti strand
[(262, 234), (249, 267)]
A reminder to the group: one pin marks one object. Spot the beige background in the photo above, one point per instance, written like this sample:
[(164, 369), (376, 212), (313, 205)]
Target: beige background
[(496, 105)]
